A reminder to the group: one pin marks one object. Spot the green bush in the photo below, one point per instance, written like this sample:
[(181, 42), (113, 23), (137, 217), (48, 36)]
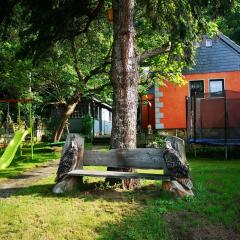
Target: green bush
[(159, 139), (86, 125)]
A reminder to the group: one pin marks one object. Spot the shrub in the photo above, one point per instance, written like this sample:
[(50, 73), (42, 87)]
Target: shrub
[(86, 125)]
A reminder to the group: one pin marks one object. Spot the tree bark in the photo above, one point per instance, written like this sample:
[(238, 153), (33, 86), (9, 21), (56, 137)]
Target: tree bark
[(124, 78), (67, 113)]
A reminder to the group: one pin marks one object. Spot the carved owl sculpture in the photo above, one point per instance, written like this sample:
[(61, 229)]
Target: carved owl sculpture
[(70, 156), (177, 166)]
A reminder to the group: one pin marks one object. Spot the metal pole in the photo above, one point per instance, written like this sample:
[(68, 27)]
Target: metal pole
[(93, 115), (187, 126), (30, 113), (225, 124), (19, 115), (19, 125), (140, 115), (195, 117), (148, 114), (31, 127)]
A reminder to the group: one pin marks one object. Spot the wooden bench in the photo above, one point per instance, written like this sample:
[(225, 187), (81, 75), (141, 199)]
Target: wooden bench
[(140, 158), (74, 158)]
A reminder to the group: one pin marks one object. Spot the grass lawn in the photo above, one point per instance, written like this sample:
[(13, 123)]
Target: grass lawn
[(42, 154), (147, 213)]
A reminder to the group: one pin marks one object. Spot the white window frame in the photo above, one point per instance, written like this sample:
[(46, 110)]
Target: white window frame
[(215, 79), (209, 42)]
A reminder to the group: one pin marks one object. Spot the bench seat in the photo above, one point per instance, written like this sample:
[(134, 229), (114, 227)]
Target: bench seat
[(115, 174)]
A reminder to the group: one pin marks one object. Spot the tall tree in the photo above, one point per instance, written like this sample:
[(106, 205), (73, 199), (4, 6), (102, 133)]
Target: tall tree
[(124, 76), (179, 21)]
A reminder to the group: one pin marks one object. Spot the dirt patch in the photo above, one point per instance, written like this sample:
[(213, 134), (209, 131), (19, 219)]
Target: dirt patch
[(10, 186), (193, 226)]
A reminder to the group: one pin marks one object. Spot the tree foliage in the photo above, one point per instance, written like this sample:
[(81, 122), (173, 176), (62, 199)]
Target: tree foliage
[(230, 23), (66, 44)]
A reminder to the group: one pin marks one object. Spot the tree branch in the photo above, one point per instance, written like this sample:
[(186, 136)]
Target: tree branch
[(91, 17), (75, 58), (99, 69), (154, 52), (98, 89)]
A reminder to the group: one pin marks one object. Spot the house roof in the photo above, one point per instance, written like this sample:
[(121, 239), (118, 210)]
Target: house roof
[(231, 43), (103, 104), (222, 56)]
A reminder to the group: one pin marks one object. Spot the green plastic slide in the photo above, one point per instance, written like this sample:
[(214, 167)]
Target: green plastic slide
[(12, 147)]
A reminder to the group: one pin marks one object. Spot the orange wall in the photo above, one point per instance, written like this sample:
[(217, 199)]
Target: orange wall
[(174, 105)]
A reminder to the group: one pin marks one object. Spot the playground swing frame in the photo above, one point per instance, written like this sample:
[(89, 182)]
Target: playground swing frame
[(18, 101)]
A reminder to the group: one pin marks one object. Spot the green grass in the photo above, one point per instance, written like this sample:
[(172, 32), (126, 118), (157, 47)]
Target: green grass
[(42, 154), (147, 213)]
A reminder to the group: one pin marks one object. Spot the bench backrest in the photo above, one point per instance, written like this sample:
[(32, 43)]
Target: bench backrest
[(145, 158), (139, 158)]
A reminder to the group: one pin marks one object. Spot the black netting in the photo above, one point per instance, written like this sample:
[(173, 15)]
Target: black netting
[(214, 119)]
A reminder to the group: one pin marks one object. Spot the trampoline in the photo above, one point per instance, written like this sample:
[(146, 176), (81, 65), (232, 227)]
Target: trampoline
[(214, 119)]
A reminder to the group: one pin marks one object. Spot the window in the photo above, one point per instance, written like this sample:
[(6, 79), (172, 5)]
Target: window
[(197, 87), (208, 42), (216, 87), (197, 44)]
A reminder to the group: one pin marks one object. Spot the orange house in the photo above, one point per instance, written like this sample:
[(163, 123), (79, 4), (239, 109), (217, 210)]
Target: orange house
[(217, 68)]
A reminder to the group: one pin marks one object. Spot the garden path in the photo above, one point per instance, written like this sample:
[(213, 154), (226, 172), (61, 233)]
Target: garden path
[(26, 179)]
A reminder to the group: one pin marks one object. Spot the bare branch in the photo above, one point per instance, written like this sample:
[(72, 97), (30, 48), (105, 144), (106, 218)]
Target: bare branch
[(157, 51)]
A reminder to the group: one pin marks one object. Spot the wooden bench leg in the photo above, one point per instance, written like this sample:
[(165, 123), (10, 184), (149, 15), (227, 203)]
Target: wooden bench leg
[(176, 189), (67, 184)]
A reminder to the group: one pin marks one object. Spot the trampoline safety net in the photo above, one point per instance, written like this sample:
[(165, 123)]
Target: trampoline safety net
[(214, 120)]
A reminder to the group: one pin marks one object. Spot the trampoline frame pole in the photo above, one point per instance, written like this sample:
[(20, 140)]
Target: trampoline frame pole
[(194, 117), (225, 125), (187, 127)]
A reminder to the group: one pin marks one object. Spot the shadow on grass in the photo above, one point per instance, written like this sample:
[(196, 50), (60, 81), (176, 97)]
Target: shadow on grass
[(149, 214), (143, 218), (92, 192), (156, 215), (146, 222)]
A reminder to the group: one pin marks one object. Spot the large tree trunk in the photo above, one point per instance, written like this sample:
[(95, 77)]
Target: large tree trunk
[(66, 114), (124, 77)]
